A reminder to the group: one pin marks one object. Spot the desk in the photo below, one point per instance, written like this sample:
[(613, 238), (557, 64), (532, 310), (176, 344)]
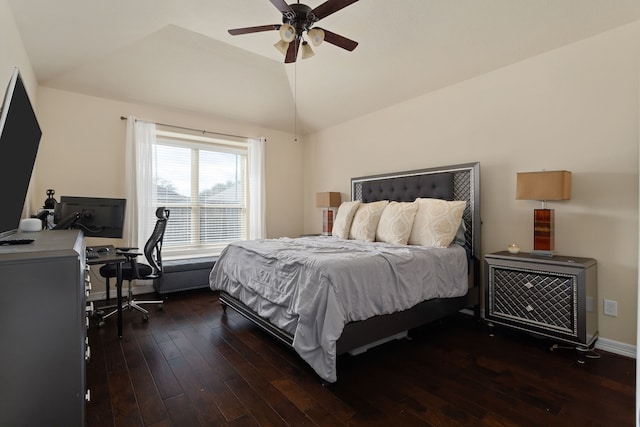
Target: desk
[(108, 256)]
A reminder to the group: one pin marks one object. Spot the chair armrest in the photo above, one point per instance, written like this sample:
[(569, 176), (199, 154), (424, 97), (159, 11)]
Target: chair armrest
[(128, 255), (125, 248), (131, 259)]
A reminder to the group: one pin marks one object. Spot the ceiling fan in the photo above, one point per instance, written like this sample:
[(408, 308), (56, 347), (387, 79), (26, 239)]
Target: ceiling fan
[(297, 19)]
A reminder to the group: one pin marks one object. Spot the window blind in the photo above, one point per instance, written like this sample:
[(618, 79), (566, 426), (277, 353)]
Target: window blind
[(204, 185)]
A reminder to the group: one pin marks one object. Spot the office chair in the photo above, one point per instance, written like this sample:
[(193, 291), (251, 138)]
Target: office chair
[(132, 270)]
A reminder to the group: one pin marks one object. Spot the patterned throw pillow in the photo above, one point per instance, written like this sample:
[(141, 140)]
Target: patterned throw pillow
[(365, 221), (396, 222), (436, 222), (342, 223)]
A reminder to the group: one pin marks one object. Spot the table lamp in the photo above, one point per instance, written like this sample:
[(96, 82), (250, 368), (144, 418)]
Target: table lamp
[(543, 186), (327, 200)]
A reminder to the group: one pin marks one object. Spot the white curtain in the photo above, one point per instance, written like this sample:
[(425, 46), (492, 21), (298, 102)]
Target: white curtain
[(257, 211), (140, 182)]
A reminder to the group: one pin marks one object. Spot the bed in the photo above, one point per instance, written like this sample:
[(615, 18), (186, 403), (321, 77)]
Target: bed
[(326, 296)]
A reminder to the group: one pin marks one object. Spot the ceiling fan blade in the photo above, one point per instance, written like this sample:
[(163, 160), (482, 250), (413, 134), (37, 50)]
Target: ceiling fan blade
[(338, 40), (281, 5), (247, 30), (292, 52), (331, 6)]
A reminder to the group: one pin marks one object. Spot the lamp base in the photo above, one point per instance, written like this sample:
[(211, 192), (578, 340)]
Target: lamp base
[(543, 231), (327, 222)]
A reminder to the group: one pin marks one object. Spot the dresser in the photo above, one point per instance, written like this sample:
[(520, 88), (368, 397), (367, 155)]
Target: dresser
[(551, 296), (43, 322)]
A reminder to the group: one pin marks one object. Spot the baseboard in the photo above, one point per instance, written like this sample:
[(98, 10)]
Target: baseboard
[(616, 347)]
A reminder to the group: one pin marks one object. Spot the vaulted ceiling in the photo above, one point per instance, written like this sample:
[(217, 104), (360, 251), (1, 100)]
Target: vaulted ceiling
[(178, 53)]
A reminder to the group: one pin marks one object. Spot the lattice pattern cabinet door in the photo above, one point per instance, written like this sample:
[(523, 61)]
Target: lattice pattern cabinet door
[(551, 296)]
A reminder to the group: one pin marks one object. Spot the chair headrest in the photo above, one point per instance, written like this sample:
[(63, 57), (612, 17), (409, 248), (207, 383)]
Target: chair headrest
[(162, 213)]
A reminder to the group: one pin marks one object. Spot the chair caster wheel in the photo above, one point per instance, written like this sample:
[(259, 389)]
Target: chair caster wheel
[(161, 306), (100, 323), (145, 317)]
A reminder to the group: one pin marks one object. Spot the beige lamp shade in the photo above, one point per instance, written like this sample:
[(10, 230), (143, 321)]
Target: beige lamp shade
[(316, 35), (545, 185), (307, 52), (287, 33), (282, 46), (328, 199)]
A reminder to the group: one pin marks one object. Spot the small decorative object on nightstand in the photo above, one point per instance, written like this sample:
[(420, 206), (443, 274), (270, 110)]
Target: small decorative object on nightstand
[(513, 248), (554, 297), (327, 200)]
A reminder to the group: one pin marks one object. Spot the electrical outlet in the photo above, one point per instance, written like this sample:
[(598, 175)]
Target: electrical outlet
[(610, 308)]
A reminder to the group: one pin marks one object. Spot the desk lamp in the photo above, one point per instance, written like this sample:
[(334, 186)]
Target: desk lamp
[(543, 186), (327, 200)]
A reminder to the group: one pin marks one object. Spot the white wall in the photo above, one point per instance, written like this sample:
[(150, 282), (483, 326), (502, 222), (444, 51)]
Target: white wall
[(12, 51), (83, 146), (573, 108)]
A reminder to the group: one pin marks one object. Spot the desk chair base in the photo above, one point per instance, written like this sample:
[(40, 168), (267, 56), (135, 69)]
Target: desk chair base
[(131, 303)]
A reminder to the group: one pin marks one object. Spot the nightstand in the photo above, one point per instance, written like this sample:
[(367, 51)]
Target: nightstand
[(550, 296)]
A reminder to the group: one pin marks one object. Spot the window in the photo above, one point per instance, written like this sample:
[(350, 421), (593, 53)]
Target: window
[(203, 182)]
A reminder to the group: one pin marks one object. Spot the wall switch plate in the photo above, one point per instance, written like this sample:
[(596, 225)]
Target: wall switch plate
[(610, 307)]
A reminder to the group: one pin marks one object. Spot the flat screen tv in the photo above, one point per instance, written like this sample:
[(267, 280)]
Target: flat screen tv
[(19, 140), (95, 216)]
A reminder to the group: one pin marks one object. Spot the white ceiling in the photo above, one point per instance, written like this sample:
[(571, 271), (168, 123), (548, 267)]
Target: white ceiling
[(178, 53)]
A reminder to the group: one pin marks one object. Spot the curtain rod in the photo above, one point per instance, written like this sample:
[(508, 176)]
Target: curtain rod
[(191, 129)]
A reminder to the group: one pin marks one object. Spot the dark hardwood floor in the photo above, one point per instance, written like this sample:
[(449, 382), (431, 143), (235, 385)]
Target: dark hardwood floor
[(192, 365)]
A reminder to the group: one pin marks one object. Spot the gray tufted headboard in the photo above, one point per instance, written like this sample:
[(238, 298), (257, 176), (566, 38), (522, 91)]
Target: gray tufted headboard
[(457, 182), (408, 188)]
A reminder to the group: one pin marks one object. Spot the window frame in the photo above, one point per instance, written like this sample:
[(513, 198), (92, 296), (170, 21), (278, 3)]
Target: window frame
[(197, 143)]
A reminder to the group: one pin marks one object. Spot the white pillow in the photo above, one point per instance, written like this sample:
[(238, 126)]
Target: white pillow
[(342, 223), (396, 222), (436, 222), (365, 221)]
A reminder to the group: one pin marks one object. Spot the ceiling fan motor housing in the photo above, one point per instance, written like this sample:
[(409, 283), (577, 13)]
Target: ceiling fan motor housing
[(301, 18)]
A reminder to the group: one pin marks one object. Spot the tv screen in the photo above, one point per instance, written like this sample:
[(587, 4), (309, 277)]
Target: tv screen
[(19, 140), (95, 216)]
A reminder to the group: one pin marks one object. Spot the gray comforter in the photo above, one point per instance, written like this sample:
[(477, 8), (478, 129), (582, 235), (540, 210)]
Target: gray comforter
[(313, 286)]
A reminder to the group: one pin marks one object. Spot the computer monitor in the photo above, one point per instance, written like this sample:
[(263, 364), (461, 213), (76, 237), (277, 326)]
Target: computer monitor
[(19, 140), (95, 216)]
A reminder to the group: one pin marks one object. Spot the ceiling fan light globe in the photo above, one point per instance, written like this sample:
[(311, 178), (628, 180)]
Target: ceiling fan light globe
[(287, 33), (316, 35), (282, 46), (307, 52)]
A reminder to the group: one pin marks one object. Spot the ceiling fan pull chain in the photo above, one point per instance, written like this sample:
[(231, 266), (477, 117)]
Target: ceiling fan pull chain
[(295, 101)]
